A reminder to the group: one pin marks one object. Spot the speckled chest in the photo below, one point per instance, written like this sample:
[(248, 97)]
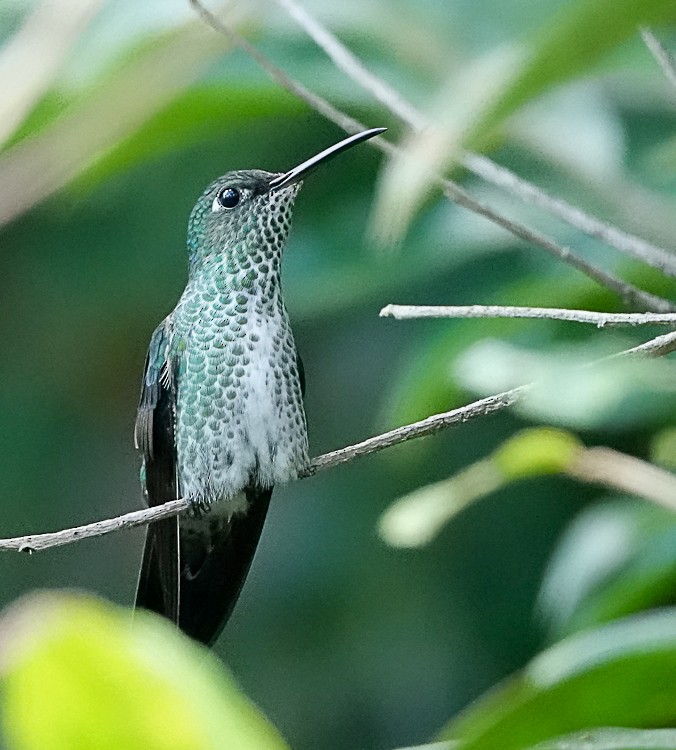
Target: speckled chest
[(239, 413)]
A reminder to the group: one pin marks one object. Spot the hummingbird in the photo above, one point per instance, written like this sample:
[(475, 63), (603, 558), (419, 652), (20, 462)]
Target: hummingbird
[(221, 419)]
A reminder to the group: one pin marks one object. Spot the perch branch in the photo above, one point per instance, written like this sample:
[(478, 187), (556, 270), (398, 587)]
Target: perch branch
[(345, 60), (409, 312), (428, 426), (656, 347), (631, 294)]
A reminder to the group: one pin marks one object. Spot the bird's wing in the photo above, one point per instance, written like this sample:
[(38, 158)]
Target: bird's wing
[(158, 587), (301, 373)]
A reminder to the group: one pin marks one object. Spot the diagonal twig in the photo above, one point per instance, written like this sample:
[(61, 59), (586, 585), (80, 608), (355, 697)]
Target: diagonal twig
[(428, 426), (656, 347)]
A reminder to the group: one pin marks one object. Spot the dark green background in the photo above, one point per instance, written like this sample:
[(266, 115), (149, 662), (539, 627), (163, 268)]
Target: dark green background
[(342, 641)]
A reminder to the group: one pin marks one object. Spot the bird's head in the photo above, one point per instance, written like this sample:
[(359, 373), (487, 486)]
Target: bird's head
[(244, 217)]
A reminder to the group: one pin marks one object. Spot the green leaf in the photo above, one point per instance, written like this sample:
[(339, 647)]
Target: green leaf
[(416, 518), (620, 392), (193, 116), (535, 452), (614, 559), (620, 674), (76, 673), (570, 46)]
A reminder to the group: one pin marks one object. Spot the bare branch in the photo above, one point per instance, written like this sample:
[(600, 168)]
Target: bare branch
[(601, 320), (427, 426), (435, 423), (664, 58), (631, 294), (656, 347), (483, 167), (345, 60), (35, 542), (660, 346)]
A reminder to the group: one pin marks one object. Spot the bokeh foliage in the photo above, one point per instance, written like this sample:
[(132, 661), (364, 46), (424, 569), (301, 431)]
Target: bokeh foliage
[(342, 641)]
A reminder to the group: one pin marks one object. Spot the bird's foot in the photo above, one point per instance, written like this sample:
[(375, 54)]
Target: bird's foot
[(198, 506)]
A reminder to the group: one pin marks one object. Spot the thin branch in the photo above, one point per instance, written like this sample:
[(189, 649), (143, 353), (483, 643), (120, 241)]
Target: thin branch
[(658, 346), (428, 426), (36, 542), (483, 167), (629, 244), (601, 320), (631, 294), (344, 59), (663, 57)]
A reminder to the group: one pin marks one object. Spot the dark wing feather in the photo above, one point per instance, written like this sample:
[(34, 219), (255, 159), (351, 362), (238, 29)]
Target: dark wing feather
[(158, 587), (301, 373)]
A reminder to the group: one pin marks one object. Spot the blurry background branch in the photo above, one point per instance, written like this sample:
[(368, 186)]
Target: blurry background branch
[(664, 58)]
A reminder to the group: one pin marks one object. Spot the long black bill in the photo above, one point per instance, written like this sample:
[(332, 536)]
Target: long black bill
[(304, 169)]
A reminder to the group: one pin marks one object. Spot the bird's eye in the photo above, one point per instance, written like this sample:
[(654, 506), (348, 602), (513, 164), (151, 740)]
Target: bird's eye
[(228, 197)]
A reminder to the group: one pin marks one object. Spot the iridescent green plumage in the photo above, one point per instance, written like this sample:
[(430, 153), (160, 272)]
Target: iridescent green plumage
[(221, 416)]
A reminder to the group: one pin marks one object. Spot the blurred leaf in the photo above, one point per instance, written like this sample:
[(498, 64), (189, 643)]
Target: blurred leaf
[(663, 448), (614, 739), (617, 392), (621, 674), (599, 146), (407, 177), (614, 559), (428, 381), (536, 452), (570, 46), (416, 518), (193, 116), (142, 84), (25, 76), (498, 84), (77, 674)]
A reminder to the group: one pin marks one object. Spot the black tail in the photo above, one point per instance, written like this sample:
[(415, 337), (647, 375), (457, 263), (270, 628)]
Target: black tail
[(215, 556), (214, 565)]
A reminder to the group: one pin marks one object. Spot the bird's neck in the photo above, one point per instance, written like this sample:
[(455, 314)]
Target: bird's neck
[(256, 271)]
